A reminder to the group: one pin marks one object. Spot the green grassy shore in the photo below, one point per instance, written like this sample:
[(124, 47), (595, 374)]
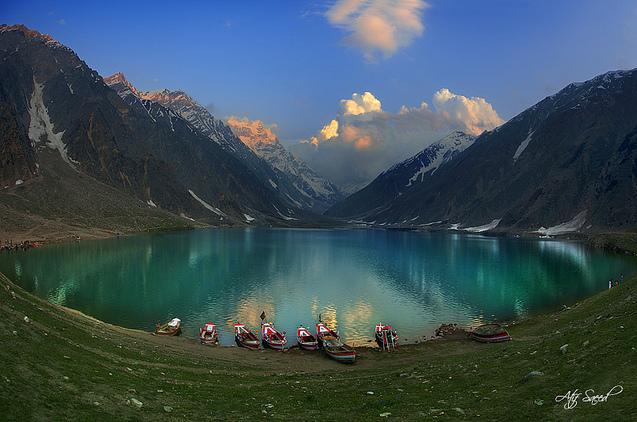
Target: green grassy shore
[(61, 365)]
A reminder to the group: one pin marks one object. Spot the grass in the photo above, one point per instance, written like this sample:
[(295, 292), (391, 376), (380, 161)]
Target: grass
[(625, 242), (63, 365)]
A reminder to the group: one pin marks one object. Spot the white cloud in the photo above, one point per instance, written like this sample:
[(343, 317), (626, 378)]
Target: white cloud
[(366, 140), (474, 113), (378, 26), (360, 104)]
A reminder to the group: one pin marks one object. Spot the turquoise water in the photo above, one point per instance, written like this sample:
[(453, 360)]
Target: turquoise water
[(354, 278)]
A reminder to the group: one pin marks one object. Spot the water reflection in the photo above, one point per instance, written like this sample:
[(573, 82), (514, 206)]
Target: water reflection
[(354, 279)]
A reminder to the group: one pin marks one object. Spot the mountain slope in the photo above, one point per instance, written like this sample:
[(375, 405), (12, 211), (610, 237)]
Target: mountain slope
[(284, 183), (402, 177), (55, 102), (305, 181), (566, 164)]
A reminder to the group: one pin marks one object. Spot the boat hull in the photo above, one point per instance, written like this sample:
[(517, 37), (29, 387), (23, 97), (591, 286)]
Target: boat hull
[(343, 357), (274, 345), (247, 343), (168, 333), (496, 338), (309, 345), (209, 341)]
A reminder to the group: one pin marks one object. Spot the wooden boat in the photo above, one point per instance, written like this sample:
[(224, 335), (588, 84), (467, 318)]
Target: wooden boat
[(322, 330), (386, 337), (489, 333), (245, 338), (306, 340), (171, 328), (338, 351), (272, 338), (208, 334)]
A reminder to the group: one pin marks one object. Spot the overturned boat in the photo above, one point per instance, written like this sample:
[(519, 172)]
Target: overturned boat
[(171, 328), (490, 333), (338, 351), (208, 334), (272, 338), (244, 337), (386, 337), (305, 339)]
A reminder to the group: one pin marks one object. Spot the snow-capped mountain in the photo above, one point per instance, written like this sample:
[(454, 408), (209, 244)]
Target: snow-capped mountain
[(403, 176), (565, 164), (266, 145)]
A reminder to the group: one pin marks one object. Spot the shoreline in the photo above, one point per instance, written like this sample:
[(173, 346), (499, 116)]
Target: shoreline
[(619, 242), (57, 353)]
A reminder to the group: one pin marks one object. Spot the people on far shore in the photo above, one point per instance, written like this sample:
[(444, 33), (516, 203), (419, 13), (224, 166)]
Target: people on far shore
[(615, 283), (9, 246)]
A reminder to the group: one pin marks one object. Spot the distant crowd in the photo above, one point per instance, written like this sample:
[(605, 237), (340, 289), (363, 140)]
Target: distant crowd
[(9, 246), (615, 283)]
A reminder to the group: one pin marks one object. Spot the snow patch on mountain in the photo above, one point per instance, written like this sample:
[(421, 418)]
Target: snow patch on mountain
[(431, 158), (569, 227), (40, 125), (249, 218), (485, 227), (523, 145), (285, 217), (207, 205)]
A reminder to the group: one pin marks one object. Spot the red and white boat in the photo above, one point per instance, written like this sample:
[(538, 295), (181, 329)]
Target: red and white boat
[(208, 334), (245, 338), (305, 339), (386, 336), (322, 330), (272, 338)]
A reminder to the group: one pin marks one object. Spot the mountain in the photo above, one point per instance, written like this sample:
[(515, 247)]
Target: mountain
[(199, 117), (306, 182), (57, 113), (569, 163), (295, 181), (403, 177)]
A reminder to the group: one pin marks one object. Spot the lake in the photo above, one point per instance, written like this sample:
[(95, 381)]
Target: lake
[(353, 278)]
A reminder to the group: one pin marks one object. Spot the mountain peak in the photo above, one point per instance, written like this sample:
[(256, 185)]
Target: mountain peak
[(166, 96), (252, 132), (29, 33), (119, 78)]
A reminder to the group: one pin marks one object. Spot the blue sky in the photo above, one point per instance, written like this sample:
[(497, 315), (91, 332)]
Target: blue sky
[(285, 62)]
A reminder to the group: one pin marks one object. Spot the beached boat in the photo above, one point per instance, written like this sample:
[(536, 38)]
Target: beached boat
[(386, 336), (245, 338), (171, 328), (489, 333), (322, 330), (306, 340), (338, 351), (208, 334), (272, 338)]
